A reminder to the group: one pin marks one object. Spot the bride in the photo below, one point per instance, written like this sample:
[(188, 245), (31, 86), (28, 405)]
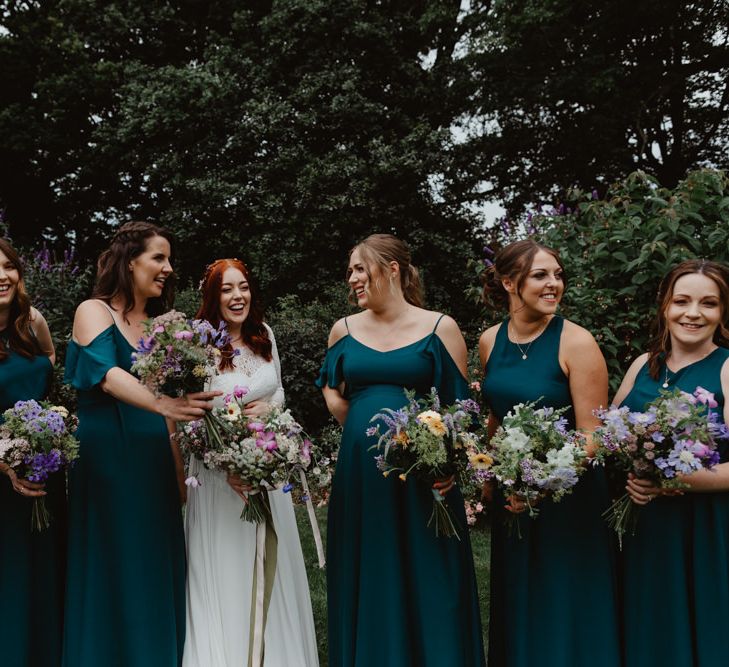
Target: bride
[(220, 547)]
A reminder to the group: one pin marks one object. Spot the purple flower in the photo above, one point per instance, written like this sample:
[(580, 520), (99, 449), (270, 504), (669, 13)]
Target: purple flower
[(706, 397), (641, 418), (287, 487)]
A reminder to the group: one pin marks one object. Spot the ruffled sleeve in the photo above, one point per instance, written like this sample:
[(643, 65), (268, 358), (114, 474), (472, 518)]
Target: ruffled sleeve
[(87, 365), (331, 373), (447, 378)]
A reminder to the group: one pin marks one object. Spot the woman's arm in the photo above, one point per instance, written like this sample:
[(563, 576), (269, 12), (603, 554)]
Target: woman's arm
[(587, 374), (337, 405), (42, 334), (452, 338)]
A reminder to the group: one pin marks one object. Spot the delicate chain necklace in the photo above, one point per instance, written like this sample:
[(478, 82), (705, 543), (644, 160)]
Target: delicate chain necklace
[(665, 363), (525, 352)]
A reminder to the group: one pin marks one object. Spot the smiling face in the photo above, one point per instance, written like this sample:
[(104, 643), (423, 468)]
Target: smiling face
[(542, 288), (151, 268), (369, 284), (694, 311), (235, 298), (9, 278)]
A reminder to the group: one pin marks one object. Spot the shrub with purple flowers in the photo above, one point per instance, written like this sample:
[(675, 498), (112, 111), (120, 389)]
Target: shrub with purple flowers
[(36, 440), (676, 435), (429, 442)]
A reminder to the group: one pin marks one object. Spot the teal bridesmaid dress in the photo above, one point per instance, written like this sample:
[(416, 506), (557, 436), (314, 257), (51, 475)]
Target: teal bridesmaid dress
[(554, 591), (398, 595), (32, 565), (676, 566), (125, 595)]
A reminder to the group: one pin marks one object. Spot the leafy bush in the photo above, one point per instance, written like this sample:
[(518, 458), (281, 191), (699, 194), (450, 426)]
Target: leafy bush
[(616, 250)]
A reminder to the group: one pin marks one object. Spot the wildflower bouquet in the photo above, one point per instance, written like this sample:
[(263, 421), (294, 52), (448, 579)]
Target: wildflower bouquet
[(175, 354), (534, 456), (266, 452), (675, 435), (429, 442), (36, 440)]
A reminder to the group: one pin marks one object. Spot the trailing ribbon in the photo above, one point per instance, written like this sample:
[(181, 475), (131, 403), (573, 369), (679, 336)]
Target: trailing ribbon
[(264, 573), (313, 521)]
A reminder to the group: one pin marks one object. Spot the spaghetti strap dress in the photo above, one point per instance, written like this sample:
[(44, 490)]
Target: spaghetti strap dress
[(398, 596), (676, 566), (32, 564), (125, 595), (554, 591)]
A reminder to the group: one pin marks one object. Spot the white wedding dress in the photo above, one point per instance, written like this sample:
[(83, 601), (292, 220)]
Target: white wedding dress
[(221, 555)]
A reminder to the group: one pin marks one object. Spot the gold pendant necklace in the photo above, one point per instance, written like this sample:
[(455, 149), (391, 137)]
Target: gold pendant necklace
[(525, 353)]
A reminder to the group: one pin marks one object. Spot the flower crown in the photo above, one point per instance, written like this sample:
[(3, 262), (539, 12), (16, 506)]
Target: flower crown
[(209, 268)]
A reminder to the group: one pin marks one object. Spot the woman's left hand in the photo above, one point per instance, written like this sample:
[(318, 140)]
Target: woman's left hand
[(256, 409), (444, 485)]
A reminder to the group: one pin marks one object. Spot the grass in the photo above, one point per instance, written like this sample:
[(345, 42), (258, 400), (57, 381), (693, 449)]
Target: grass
[(480, 541)]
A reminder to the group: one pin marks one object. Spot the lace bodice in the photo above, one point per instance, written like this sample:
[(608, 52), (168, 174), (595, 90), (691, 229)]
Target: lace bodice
[(263, 378)]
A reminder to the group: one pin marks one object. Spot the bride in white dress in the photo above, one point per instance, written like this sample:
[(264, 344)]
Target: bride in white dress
[(220, 547)]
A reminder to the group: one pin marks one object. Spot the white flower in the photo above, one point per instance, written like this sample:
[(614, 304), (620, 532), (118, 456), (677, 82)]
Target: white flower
[(232, 411), (562, 458), (60, 410), (516, 440)]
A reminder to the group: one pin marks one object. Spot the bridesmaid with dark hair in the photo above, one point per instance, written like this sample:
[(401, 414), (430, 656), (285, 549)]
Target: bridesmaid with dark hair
[(125, 600), (676, 566), (553, 590), (31, 563), (398, 595)]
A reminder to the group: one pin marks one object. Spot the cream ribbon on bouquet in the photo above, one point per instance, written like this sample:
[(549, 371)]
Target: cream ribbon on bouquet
[(313, 521), (264, 573)]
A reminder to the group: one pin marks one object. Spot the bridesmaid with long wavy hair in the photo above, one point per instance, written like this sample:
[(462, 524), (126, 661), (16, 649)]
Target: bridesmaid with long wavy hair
[(221, 548), (553, 590), (31, 563), (676, 565), (125, 594)]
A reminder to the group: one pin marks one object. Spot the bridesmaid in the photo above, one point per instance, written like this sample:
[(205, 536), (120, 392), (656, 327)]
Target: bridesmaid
[(398, 595), (676, 583), (553, 592), (221, 549), (31, 564), (125, 600)]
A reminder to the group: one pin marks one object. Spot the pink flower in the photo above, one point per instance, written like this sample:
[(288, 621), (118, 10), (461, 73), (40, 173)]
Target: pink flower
[(706, 397), (193, 482), (239, 391), (257, 427), (158, 329), (184, 335)]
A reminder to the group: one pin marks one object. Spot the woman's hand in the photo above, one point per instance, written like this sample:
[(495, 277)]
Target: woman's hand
[(641, 491), (187, 407), (444, 485), (257, 408), (517, 504), (22, 486), (241, 487)]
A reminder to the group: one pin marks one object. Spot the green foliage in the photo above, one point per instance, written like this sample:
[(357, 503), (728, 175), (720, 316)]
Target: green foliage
[(616, 250)]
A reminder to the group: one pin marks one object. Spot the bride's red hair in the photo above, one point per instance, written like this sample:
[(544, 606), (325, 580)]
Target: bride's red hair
[(253, 332)]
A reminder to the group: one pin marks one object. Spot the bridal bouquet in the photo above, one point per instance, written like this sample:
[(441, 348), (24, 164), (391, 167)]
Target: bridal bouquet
[(266, 452), (534, 456), (36, 440), (676, 435), (429, 442), (174, 355)]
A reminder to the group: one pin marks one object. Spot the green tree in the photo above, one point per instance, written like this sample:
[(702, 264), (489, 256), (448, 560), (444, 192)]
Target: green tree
[(586, 92)]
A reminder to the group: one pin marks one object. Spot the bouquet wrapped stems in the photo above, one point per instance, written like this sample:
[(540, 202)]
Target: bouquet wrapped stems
[(441, 517), (257, 507)]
